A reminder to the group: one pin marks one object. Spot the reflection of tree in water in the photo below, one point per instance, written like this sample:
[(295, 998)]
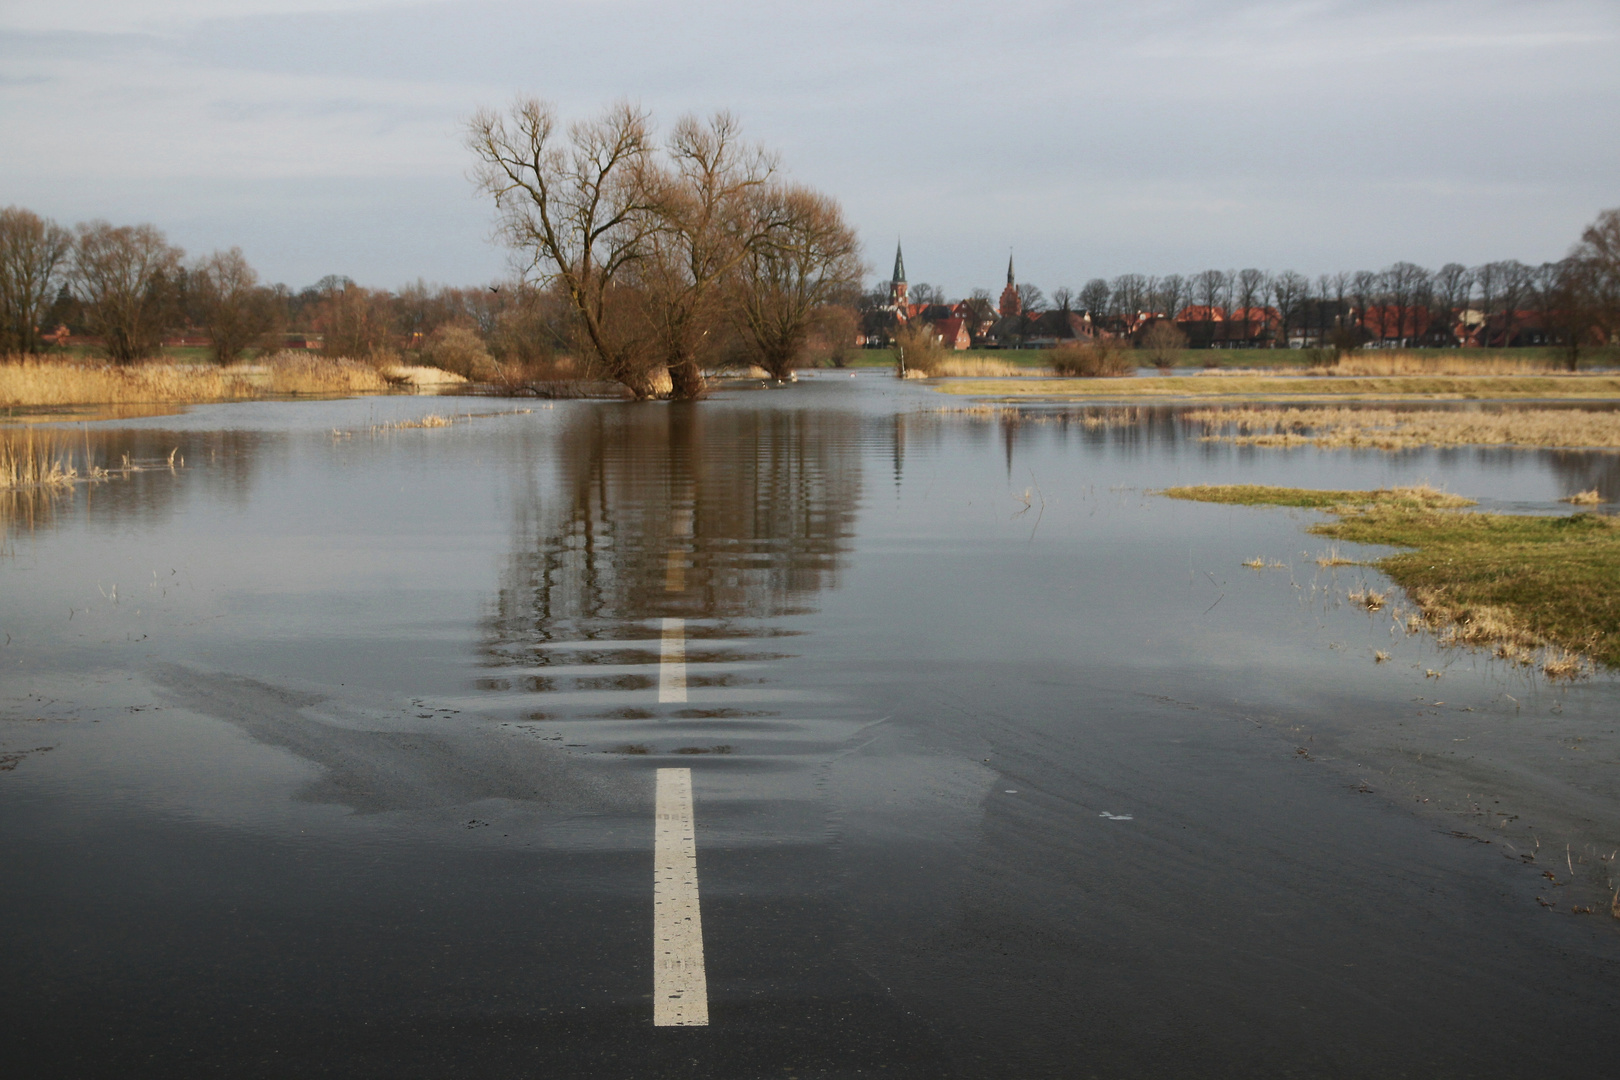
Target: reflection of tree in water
[(698, 512), (137, 483)]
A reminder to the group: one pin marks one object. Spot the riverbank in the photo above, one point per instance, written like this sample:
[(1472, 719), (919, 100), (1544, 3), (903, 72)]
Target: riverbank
[(1301, 387), (1532, 589), (1405, 429), (32, 383)]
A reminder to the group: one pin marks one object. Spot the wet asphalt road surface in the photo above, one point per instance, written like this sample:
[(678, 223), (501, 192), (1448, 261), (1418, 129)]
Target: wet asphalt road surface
[(1005, 858)]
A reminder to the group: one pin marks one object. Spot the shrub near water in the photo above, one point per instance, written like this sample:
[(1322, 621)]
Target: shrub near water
[(1096, 359)]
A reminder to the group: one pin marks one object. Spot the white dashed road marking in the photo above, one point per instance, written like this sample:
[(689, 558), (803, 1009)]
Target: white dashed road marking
[(680, 985), (672, 662)]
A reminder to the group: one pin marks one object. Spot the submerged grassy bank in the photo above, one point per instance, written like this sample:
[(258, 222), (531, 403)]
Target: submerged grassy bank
[(1391, 429), (1516, 583), (1297, 387)]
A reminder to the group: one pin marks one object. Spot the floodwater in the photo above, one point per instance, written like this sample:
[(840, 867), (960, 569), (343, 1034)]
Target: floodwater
[(332, 750)]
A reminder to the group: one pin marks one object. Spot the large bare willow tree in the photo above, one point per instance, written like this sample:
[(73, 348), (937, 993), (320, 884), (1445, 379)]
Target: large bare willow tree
[(806, 262), (579, 208), (711, 220)]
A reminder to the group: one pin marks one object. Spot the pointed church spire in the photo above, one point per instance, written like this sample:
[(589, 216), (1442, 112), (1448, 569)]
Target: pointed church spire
[(899, 264), (1009, 268)]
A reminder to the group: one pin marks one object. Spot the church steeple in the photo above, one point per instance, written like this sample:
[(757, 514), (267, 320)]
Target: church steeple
[(898, 290), (1010, 303)]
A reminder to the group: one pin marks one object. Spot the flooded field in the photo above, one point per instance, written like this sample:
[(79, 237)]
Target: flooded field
[(336, 743)]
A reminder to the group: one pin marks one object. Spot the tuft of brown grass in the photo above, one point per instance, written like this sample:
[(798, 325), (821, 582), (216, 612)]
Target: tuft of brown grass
[(1331, 557), (1379, 656), (1370, 599), (1400, 429), (1583, 498), (1557, 664)]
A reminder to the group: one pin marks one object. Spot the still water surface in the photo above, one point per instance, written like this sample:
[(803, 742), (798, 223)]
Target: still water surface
[(1003, 765)]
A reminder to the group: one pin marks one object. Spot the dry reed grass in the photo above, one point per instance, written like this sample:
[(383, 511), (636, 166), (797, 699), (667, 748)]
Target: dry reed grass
[(1441, 362), (980, 367), (33, 382), (1395, 429), (1584, 498), (35, 459)]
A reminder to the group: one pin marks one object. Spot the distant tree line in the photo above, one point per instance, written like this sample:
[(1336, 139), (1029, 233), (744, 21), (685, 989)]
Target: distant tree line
[(131, 289), (1572, 303)]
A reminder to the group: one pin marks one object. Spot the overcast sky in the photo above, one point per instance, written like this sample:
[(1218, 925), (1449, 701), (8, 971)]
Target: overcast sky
[(1090, 138)]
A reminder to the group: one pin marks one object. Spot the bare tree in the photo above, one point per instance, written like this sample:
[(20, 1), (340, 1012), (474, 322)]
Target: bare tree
[(579, 212), (1598, 254), (809, 259), (126, 276), (238, 314), (1513, 284), (708, 222), (1249, 287), (355, 322), (1404, 284), (1064, 298), (1208, 290), (1030, 299), (1094, 298), (1172, 296), (1453, 284), (1129, 295), (34, 255), (1289, 292), (1364, 291)]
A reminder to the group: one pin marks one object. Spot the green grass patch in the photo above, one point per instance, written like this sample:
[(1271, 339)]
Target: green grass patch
[(1419, 497), (1515, 583)]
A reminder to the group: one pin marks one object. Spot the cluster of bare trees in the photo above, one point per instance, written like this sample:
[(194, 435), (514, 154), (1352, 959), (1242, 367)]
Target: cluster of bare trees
[(665, 257), (129, 289), (126, 284), (1574, 302)]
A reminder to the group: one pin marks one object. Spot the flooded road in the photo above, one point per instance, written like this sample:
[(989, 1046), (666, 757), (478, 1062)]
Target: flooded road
[(836, 729)]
